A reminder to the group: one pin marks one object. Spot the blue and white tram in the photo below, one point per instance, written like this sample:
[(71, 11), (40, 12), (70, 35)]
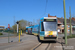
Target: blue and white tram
[(29, 29), (48, 28)]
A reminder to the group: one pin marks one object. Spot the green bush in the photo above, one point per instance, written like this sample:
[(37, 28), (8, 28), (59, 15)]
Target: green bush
[(61, 33), (1, 33), (70, 36), (73, 36)]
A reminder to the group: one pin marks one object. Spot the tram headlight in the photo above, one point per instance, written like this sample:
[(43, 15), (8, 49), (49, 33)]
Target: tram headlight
[(46, 33), (54, 33)]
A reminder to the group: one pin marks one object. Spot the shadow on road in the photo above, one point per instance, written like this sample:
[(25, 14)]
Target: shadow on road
[(48, 42), (29, 34), (62, 44)]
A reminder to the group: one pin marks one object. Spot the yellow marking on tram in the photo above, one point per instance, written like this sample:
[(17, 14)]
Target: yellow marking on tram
[(41, 38), (50, 33)]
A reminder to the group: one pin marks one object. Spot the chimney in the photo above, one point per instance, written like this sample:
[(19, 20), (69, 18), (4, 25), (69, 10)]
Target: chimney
[(48, 15), (61, 17)]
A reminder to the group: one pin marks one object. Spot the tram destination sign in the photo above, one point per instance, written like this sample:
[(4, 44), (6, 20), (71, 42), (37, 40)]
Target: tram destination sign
[(53, 20)]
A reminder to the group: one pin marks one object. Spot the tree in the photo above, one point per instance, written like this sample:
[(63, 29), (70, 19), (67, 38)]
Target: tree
[(14, 26), (23, 24)]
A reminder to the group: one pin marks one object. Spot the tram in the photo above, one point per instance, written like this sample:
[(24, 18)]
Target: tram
[(46, 29), (29, 29)]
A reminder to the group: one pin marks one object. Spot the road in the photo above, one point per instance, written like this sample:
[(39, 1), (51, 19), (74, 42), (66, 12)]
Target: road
[(29, 42), (49, 45), (5, 34)]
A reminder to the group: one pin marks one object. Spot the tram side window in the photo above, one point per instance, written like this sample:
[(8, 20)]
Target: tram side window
[(42, 28), (26, 28)]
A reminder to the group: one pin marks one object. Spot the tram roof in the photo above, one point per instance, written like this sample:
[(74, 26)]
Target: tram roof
[(29, 26), (50, 17)]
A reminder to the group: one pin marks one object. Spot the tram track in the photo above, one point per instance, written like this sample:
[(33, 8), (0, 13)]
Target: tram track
[(36, 46), (42, 46)]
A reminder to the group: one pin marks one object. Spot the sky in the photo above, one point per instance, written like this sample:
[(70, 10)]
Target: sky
[(32, 10)]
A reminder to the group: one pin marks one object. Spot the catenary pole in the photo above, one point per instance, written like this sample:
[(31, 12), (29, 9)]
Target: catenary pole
[(65, 23), (70, 21)]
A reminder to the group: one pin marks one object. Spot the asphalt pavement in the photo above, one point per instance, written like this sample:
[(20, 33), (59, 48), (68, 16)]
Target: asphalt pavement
[(30, 42), (27, 42), (5, 34)]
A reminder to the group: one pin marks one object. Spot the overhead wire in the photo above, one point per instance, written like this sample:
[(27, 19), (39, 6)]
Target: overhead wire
[(44, 11), (45, 8)]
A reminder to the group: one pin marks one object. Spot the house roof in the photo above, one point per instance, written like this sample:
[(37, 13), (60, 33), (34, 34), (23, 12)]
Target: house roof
[(2, 26), (59, 22), (73, 18), (67, 20)]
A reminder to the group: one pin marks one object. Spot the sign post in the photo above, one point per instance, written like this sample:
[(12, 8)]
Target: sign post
[(21, 31), (8, 32)]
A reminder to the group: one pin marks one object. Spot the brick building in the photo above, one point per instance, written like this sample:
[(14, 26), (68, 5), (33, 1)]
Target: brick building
[(61, 25), (2, 27)]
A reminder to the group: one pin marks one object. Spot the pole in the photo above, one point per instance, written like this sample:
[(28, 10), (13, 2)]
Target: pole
[(65, 23), (19, 32), (70, 22), (8, 36), (17, 29)]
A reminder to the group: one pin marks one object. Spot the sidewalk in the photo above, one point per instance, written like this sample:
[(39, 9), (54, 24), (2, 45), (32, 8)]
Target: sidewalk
[(70, 45), (27, 43), (11, 39)]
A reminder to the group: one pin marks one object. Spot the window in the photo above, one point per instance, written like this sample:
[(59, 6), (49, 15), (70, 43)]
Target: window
[(42, 28), (72, 26), (68, 26), (68, 30), (62, 25)]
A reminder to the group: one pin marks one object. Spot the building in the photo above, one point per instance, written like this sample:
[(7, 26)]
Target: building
[(2, 27), (61, 25)]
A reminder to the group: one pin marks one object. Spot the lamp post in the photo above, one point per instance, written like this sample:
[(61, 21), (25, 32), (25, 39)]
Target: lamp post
[(65, 23)]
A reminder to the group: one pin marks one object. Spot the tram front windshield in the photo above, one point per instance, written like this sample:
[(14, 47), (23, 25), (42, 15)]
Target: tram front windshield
[(49, 26)]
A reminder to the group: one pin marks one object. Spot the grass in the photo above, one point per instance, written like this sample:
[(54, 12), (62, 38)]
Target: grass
[(70, 36), (60, 33), (1, 33)]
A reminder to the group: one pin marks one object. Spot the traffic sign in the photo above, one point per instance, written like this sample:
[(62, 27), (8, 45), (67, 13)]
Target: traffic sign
[(8, 28), (8, 25)]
